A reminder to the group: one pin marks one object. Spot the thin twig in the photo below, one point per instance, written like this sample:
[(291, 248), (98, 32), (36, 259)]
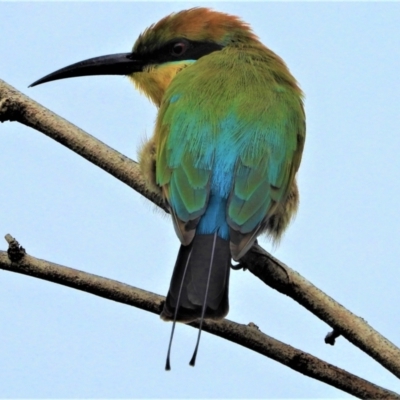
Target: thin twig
[(331, 337)]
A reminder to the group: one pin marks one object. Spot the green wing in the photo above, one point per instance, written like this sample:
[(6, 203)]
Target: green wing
[(236, 135)]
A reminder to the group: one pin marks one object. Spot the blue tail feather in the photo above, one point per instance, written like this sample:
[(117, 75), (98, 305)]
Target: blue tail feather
[(214, 218)]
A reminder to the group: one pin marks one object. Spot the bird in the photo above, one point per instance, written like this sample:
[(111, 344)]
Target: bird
[(226, 148)]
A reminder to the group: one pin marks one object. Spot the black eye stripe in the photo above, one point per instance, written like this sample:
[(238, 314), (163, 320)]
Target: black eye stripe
[(191, 50)]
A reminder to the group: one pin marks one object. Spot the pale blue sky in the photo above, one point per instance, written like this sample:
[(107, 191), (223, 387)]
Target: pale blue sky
[(58, 342)]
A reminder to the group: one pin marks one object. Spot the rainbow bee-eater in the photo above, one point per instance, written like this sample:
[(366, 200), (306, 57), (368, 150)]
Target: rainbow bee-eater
[(226, 147)]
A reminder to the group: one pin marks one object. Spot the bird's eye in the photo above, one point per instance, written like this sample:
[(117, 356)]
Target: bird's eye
[(179, 48)]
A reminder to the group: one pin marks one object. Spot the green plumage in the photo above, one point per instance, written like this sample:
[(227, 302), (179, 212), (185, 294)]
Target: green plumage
[(227, 145), (244, 101)]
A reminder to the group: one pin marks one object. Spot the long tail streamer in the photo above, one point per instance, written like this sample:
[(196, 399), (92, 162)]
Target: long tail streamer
[(167, 363), (203, 310)]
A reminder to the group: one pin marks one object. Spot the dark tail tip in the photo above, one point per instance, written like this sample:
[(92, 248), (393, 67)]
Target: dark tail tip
[(193, 360)]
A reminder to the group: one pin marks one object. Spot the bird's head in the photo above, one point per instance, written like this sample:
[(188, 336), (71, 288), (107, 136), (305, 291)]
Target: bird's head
[(164, 49)]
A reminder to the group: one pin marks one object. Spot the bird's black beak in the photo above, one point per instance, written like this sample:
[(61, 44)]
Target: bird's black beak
[(114, 64)]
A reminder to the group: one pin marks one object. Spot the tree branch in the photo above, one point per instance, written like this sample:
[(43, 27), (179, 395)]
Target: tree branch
[(279, 276), (15, 106), (249, 336)]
